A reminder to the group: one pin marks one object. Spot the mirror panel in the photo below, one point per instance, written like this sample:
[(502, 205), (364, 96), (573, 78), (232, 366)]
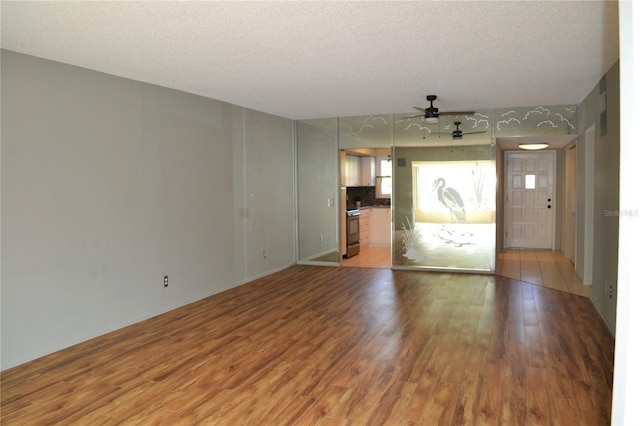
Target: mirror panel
[(318, 201), (444, 200), (370, 131), (443, 181)]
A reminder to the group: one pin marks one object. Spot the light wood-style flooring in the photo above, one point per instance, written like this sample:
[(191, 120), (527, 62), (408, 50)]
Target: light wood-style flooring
[(336, 346)]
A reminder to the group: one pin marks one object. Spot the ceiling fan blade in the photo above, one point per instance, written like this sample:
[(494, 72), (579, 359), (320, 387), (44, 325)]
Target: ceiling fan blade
[(451, 133), (420, 109), (457, 112), (412, 116)]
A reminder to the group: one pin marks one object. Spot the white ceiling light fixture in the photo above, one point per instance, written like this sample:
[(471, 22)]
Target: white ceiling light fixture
[(533, 146)]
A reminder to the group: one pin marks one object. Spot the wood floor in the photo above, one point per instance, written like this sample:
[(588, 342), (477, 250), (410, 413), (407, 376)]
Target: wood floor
[(548, 268), (336, 346)]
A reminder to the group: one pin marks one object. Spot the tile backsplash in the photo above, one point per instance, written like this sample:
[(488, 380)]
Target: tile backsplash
[(367, 195)]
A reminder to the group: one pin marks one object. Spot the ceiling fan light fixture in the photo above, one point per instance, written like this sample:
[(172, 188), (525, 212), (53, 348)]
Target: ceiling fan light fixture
[(533, 146), (431, 120)]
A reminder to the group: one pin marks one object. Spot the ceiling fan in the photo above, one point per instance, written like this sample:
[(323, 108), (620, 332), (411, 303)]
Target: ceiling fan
[(457, 133), (432, 113)]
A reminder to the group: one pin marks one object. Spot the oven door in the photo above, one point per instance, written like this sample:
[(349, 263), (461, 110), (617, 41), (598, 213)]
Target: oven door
[(353, 229)]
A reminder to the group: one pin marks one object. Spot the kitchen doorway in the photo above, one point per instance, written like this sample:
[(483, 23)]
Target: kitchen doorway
[(365, 193)]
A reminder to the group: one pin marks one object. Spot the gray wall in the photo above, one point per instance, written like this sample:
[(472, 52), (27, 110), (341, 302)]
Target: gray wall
[(317, 151), (605, 193), (109, 184)]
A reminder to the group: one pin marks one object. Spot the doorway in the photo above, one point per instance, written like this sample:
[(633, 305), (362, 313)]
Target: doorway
[(529, 200), (364, 173)]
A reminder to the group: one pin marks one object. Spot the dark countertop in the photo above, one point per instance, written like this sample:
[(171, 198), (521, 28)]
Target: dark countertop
[(374, 207)]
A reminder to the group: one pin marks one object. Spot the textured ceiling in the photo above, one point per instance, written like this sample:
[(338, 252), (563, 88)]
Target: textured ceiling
[(326, 59)]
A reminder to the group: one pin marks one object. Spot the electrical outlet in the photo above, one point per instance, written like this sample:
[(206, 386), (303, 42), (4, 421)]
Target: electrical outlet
[(610, 291), (166, 280), (264, 254)]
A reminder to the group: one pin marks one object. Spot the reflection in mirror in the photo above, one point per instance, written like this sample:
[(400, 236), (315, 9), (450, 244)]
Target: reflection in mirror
[(366, 181), (370, 131), (443, 181), (444, 196), (318, 201)]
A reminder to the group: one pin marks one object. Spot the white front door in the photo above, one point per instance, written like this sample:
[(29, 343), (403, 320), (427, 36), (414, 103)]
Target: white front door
[(529, 202)]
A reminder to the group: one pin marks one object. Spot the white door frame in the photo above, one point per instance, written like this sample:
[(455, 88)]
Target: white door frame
[(569, 240), (507, 211)]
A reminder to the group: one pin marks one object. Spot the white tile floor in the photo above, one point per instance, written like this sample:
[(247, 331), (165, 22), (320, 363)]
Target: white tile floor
[(370, 257), (546, 268)]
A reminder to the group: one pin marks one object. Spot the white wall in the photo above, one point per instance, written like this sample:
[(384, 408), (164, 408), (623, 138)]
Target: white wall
[(109, 184), (626, 375)]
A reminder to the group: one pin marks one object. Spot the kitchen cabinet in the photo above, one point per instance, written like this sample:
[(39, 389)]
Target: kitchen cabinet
[(356, 170), (365, 227), (352, 170), (380, 227), (367, 171)]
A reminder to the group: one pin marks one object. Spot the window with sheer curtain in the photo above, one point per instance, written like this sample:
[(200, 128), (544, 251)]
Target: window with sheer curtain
[(383, 181)]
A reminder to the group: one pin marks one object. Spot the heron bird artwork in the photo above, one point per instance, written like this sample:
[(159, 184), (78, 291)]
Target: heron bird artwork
[(451, 199)]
